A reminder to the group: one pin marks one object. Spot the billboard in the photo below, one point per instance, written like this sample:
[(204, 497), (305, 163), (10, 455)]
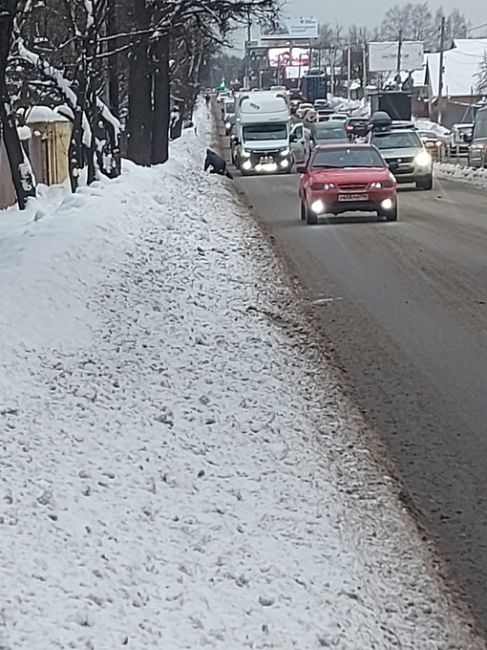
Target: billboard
[(293, 72), (282, 57), (383, 56), (291, 28)]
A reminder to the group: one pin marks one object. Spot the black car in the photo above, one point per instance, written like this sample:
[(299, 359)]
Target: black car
[(357, 127)]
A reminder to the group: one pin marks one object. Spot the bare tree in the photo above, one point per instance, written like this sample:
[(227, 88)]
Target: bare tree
[(20, 169), (481, 76)]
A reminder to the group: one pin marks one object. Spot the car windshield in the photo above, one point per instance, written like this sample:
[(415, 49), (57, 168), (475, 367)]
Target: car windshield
[(346, 157), (258, 132), (331, 133), (396, 140)]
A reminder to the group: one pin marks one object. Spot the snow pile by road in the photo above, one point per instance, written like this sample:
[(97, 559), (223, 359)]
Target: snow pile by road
[(178, 469), (427, 125), (462, 173), (356, 107)]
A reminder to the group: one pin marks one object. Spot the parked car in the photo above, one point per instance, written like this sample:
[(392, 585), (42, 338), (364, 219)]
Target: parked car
[(320, 104), (310, 117), (433, 142), (477, 154), (339, 117), (357, 127), (294, 104), (303, 109), (230, 120), (346, 177), (459, 138), (328, 133)]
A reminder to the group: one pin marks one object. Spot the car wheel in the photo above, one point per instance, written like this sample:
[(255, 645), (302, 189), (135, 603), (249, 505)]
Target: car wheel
[(426, 184), (392, 215), (311, 217)]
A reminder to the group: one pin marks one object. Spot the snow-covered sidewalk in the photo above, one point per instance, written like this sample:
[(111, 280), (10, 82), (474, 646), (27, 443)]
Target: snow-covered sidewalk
[(178, 467)]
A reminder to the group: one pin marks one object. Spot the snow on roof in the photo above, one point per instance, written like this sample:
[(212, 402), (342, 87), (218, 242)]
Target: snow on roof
[(461, 65), (43, 114), (24, 132)]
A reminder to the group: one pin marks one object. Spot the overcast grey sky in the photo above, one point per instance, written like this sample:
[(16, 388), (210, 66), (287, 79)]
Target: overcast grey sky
[(369, 12)]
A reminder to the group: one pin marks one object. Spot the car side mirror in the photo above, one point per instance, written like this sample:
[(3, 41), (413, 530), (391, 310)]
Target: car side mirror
[(235, 140), (301, 170), (467, 138), (293, 138)]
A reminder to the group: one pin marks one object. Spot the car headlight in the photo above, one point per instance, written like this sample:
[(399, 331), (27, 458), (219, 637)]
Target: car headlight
[(228, 126), (376, 185), (323, 186), (318, 207), (284, 152), (245, 154), (423, 159), (247, 165)]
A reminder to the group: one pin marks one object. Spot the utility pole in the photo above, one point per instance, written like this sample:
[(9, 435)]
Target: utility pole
[(399, 52), (364, 66), (247, 51), (441, 73), (349, 66)]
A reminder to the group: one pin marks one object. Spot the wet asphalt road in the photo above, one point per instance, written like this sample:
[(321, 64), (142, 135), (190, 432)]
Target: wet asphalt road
[(405, 311)]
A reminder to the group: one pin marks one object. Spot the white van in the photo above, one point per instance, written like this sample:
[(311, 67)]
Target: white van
[(265, 141)]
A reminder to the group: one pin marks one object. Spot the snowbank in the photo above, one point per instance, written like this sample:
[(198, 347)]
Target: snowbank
[(179, 470), (428, 125), (43, 114), (356, 107), (462, 173)]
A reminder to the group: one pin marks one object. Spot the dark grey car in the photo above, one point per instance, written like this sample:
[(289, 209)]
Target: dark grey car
[(328, 132)]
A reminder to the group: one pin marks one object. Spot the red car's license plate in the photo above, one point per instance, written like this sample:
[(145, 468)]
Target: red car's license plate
[(353, 197)]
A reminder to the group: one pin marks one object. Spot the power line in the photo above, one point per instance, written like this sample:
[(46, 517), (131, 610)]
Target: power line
[(474, 29)]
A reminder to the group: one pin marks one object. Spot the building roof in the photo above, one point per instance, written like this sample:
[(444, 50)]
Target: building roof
[(461, 67)]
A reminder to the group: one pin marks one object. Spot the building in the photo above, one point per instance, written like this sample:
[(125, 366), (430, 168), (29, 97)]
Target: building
[(461, 67)]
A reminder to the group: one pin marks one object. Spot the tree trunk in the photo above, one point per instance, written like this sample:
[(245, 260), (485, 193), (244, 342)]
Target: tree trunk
[(20, 170), (139, 131), (21, 173), (76, 149), (161, 103), (90, 151), (113, 60)]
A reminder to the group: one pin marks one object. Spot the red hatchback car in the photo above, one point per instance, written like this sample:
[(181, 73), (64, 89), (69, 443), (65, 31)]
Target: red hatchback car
[(347, 177)]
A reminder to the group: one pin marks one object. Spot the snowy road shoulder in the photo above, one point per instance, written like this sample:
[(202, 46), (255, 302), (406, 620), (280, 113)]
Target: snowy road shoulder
[(179, 469), (462, 173)]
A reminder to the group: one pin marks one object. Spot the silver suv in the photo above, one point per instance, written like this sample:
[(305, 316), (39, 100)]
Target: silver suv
[(403, 151)]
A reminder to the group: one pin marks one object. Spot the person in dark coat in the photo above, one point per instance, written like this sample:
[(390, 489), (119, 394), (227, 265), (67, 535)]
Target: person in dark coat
[(216, 164)]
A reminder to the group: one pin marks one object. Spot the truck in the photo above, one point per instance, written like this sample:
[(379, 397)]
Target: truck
[(396, 103), (265, 140), (314, 86)]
